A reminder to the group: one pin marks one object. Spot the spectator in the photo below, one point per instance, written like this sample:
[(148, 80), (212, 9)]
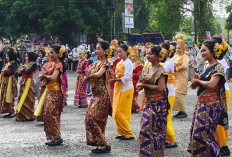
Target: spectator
[(94, 57), (70, 57), (75, 59), (191, 64)]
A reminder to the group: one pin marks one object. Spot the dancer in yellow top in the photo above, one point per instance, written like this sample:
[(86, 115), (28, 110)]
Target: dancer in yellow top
[(180, 84), (169, 50), (123, 95)]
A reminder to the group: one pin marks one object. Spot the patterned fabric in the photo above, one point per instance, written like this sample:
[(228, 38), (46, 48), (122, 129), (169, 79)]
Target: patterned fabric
[(202, 133), (136, 71), (96, 118), (52, 113), (152, 136), (27, 110), (151, 75), (99, 107), (81, 88), (64, 87), (98, 85), (4, 106)]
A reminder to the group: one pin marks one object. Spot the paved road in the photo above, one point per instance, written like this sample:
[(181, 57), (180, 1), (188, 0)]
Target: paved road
[(28, 138)]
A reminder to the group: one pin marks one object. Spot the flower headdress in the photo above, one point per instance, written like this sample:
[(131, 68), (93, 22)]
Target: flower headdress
[(148, 46), (220, 48), (162, 54), (130, 52), (113, 47), (135, 50), (181, 40), (61, 52), (13, 49), (171, 50)]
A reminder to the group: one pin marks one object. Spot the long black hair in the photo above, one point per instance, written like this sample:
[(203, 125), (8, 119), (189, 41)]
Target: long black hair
[(14, 55), (32, 56)]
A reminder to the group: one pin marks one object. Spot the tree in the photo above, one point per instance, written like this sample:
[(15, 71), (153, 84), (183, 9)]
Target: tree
[(187, 26), (167, 16), (229, 19), (204, 19)]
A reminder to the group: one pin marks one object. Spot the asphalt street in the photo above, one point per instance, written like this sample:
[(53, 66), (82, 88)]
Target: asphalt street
[(28, 138)]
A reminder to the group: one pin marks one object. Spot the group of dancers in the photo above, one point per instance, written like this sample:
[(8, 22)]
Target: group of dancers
[(115, 80)]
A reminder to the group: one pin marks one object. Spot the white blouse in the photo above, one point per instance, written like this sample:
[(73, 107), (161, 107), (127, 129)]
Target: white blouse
[(169, 67), (126, 79), (225, 66)]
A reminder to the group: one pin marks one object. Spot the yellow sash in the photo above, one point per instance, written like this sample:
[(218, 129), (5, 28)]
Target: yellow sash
[(24, 95), (9, 91), (118, 86), (39, 108), (171, 77), (53, 85)]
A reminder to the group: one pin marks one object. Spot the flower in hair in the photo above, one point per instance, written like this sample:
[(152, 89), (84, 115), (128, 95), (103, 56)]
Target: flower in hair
[(61, 52)]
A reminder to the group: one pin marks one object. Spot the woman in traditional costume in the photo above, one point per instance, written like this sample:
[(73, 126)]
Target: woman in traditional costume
[(123, 95), (26, 99), (152, 136), (222, 132), (99, 107), (53, 105), (80, 98), (146, 64), (211, 108), (181, 62), (137, 68), (8, 87), (42, 92), (113, 59), (169, 68)]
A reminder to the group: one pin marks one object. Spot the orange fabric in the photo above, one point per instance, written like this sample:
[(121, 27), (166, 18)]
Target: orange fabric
[(171, 77), (142, 100), (117, 87)]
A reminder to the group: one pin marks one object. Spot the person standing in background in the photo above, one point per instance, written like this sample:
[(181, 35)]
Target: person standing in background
[(70, 54), (75, 59), (180, 84), (191, 64), (80, 98)]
